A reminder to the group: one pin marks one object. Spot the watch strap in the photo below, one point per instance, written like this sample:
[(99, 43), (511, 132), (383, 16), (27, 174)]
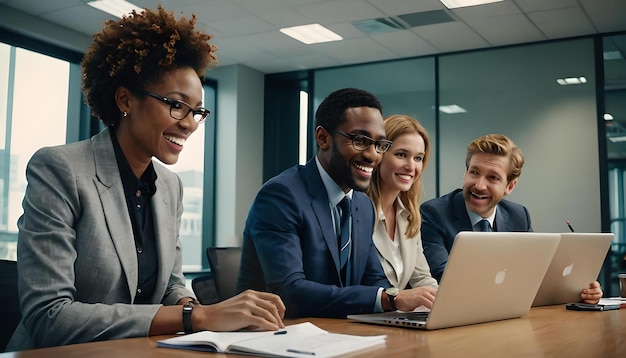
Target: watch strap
[(391, 293), (187, 309), (392, 302)]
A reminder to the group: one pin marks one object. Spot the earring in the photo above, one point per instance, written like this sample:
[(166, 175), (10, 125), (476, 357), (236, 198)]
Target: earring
[(124, 114)]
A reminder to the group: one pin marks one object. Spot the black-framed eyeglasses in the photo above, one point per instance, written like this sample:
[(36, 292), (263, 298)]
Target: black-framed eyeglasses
[(362, 142), (180, 109)]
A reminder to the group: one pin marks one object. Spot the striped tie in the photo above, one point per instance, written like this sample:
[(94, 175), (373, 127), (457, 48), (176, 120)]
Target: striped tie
[(345, 242)]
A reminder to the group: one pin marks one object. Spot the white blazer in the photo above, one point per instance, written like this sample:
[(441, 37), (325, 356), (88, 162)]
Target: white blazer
[(416, 271)]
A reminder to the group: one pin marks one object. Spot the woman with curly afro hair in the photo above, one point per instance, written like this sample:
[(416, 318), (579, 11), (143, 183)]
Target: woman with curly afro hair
[(99, 255)]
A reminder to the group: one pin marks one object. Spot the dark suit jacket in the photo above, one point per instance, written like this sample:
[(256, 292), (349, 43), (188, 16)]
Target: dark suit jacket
[(444, 217), (290, 248)]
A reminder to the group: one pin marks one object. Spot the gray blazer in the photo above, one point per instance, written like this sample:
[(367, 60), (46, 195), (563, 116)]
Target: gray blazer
[(77, 263)]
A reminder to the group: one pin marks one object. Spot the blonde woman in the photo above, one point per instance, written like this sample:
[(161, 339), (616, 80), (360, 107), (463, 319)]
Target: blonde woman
[(395, 190)]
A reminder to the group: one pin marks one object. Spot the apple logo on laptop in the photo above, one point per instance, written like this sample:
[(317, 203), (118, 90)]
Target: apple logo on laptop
[(568, 269), (500, 277)]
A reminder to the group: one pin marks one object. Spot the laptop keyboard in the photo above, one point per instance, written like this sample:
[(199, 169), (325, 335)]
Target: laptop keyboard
[(408, 316)]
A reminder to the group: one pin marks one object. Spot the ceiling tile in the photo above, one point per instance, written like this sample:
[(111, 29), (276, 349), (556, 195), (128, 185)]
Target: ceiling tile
[(451, 36), (543, 5), (404, 43), (562, 23), (247, 30), (606, 15), (505, 29), (397, 7), (355, 50), (330, 12)]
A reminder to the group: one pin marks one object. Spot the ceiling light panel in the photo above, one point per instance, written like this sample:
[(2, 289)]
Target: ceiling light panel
[(451, 4), (571, 81), (117, 8), (311, 34)]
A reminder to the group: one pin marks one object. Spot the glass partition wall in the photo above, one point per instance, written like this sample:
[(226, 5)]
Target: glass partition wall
[(515, 91), (614, 61)]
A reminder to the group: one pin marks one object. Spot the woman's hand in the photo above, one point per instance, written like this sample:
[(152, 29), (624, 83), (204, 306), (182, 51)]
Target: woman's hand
[(250, 310)]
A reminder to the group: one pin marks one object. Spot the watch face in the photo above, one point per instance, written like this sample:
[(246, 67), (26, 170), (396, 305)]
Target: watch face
[(392, 291)]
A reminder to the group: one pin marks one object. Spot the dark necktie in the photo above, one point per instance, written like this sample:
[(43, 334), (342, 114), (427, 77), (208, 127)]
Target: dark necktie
[(345, 241), (484, 225)]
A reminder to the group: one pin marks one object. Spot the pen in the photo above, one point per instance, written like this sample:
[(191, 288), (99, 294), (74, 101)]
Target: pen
[(300, 352), (569, 226), (280, 332)]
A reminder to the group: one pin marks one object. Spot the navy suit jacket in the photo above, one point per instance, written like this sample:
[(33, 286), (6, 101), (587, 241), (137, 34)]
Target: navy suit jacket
[(290, 248), (444, 217)]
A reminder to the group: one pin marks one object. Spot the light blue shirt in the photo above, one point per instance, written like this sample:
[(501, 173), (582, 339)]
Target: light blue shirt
[(335, 195), (475, 218)]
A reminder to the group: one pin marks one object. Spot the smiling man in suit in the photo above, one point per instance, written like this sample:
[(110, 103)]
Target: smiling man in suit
[(493, 164), (295, 243)]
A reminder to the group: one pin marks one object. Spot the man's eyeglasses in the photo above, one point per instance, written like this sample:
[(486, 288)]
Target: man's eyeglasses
[(361, 142), (180, 109)]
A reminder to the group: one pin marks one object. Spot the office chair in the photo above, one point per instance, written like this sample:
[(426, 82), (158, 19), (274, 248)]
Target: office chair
[(10, 308), (205, 289), (224, 263)]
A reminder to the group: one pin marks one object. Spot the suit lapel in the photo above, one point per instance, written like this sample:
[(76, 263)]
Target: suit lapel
[(381, 243), (321, 208), (111, 192), (408, 250), (461, 219), (501, 221)]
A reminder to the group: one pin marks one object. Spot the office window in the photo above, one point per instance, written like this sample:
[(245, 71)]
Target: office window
[(34, 96)]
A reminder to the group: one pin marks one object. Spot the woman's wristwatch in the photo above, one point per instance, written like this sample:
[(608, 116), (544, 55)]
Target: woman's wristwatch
[(187, 309)]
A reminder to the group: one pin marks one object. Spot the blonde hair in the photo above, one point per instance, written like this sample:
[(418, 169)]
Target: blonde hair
[(501, 145), (395, 126)]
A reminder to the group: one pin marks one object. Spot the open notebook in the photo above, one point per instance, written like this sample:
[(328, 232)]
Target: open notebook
[(296, 340), (489, 276), (576, 263)]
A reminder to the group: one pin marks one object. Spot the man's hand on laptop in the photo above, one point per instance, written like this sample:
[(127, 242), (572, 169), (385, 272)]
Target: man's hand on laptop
[(408, 300)]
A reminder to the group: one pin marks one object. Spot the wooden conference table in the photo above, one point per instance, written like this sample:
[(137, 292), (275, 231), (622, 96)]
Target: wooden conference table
[(548, 331)]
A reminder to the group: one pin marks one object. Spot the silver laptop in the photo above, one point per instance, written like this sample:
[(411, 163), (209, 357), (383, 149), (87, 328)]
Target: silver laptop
[(576, 263), (489, 276)]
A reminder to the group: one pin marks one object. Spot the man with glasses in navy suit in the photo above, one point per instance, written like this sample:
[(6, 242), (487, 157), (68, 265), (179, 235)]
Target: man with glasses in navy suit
[(295, 242)]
